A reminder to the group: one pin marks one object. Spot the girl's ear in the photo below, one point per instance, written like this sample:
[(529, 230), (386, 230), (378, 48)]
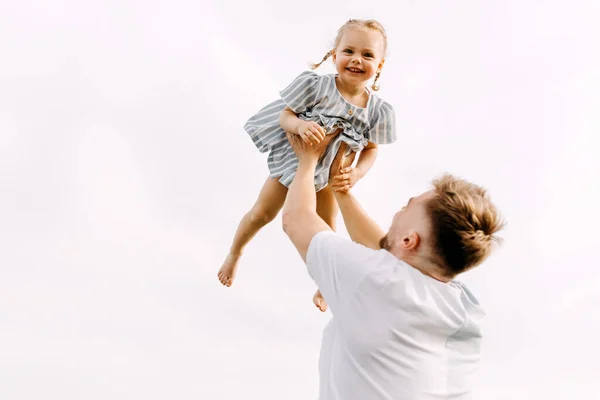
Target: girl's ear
[(381, 64)]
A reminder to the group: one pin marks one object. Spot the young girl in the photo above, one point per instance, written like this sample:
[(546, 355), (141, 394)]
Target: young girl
[(313, 106)]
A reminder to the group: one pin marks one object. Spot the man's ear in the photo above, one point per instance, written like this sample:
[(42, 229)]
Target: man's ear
[(410, 241)]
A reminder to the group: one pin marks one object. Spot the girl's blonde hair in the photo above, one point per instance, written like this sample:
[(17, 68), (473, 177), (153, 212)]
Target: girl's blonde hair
[(358, 23)]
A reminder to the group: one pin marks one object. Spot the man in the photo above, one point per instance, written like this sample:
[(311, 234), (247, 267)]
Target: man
[(402, 328)]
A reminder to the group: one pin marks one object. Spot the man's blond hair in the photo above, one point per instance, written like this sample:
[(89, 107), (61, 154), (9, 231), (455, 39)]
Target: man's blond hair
[(464, 224)]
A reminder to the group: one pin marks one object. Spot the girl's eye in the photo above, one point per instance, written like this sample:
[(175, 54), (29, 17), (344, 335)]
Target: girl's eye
[(369, 55), (348, 51)]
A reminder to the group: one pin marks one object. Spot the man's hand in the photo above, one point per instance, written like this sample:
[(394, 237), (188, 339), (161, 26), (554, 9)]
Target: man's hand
[(346, 179), (309, 152), (341, 163)]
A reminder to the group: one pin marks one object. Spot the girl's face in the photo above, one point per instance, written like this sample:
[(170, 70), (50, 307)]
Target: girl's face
[(359, 55)]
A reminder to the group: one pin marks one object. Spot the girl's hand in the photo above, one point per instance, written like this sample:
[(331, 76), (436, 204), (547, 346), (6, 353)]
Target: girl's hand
[(346, 179), (308, 151), (310, 132)]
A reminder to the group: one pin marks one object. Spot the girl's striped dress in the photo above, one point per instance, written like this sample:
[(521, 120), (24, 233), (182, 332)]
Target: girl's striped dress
[(316, 98)]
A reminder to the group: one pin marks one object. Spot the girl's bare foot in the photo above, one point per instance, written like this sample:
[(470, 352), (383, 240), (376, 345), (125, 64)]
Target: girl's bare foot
[(228, 269), (320, 301)]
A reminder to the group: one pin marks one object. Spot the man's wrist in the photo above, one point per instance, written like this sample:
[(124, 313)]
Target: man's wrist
[(341, 195), (308, 162)]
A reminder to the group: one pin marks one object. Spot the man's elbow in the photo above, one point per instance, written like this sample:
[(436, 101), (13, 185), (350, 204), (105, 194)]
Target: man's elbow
[(286, 220), (293, 219)]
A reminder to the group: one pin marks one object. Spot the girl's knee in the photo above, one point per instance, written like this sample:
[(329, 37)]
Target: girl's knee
[(261, 216)]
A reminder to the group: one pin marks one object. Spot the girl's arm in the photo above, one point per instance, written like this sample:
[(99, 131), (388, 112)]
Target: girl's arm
[(348, 176), (289, 121), (366, 159), (309, 131)]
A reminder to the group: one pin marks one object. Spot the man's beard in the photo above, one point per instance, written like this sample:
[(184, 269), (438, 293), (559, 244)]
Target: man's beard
[(384, 244)]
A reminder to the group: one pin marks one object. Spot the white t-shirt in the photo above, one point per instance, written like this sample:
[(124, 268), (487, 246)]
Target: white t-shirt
[(395, 333)]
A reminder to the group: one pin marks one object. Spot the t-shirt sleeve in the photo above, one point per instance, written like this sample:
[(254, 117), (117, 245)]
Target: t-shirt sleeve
[(383, 128), (338, 266), (301, 94)]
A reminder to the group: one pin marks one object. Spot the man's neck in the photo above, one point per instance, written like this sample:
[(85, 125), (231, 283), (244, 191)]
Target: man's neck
[(426, 267)]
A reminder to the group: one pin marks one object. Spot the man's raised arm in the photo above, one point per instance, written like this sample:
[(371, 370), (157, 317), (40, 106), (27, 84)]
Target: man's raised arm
[(361, 228), (300, 219)]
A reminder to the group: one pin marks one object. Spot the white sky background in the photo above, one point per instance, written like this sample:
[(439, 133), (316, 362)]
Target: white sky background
[(124, 170)]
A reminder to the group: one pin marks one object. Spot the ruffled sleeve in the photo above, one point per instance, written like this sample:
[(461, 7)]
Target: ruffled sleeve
[(301, 94), (383, 125)]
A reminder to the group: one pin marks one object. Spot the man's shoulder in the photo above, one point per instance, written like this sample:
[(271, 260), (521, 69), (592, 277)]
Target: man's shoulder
[(331, 248), (468, 301), (407, 285), (333, 242)]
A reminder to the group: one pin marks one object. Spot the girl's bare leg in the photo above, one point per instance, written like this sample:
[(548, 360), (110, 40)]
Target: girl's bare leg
[(327, 209), (267, 206)]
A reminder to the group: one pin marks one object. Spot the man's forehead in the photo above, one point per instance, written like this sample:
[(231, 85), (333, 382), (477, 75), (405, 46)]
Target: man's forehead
[(423, 197)]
